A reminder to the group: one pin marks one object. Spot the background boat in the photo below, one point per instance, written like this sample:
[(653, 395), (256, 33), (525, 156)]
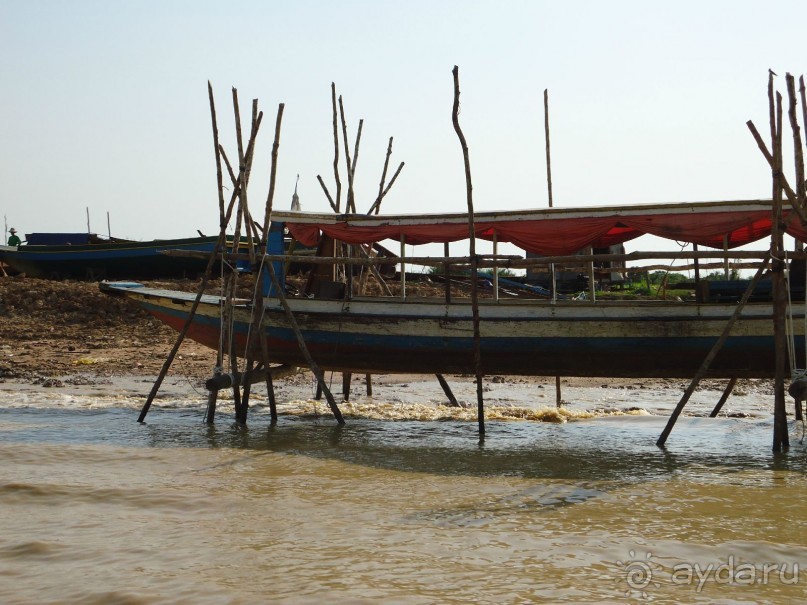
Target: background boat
[(88, 256)]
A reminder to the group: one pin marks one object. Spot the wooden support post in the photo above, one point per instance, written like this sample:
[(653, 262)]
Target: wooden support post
[(349, 275), (781, 437), (798, 391), (698, 291), (552, 280), (346, 378), (403, 267), (210, 414), (256, 328), (726, 271), (447, 274), (788, 190), (798, 152), (480, 405), (447, 390), (270, 385), (707, 362), (382, 190), (338, 201), (220, 245), (318, 393), (315, 369), (368, 378), (495, 269), (724, 397)]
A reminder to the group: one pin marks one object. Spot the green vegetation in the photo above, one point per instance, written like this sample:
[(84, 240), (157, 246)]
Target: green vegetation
[(653, 285)]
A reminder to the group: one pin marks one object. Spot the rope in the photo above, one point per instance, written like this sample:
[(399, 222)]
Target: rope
[(791, 338), (254, 296), (795, 373), (186, 374)]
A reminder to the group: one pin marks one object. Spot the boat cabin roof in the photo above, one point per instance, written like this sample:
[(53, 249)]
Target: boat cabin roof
[(556, 231)]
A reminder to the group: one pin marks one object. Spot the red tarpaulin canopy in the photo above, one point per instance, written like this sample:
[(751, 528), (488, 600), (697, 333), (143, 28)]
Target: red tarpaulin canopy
[(556, 231)]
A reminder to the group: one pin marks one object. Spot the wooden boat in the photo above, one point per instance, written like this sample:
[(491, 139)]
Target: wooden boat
[(518, 336), (94, 257)]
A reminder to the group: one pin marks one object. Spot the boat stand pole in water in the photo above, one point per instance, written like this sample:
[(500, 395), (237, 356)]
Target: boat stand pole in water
[(480, 403), (553, 283), (447, 390), (304, 349), (724, 397), (712, 353)]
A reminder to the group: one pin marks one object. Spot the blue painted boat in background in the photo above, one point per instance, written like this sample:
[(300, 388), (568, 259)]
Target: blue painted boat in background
[(88, 256)]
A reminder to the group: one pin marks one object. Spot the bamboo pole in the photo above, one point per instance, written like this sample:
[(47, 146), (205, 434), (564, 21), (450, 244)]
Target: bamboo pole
[(194, 306), (353, 164), (338, 200), (238, 403), (503, 261), (377, 204), (495, 268), (781, 438), (256, 327), (724, 397), (346, 378), (375, 272), (698, 291), (213, 396), (447, 390), (383, 179), (212, 256), (251, 230), (315, 369), (546, 138), (327, 194), (219, 179), (803, 98), (447, 274), (403, 267), (350, 205), (480, 404), (707, 362), (798, 153), (552, 276), (788, 190)]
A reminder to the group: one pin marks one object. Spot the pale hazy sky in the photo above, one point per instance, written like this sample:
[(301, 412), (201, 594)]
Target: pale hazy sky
[(104, 103)]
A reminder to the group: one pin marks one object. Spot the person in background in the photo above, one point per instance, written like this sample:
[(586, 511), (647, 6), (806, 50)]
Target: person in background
[(13, 240)]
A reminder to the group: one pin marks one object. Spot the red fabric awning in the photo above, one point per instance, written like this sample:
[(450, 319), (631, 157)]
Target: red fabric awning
[(556, 231)]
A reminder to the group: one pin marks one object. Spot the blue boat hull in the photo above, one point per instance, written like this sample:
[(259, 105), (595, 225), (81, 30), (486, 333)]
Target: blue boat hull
[(535, 339), (113, 260)]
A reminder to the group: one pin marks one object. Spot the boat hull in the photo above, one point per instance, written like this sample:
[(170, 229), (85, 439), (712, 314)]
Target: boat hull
[(136, 260), (533, 338)]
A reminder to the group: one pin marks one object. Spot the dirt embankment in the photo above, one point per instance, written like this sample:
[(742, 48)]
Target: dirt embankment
[(55, 328)]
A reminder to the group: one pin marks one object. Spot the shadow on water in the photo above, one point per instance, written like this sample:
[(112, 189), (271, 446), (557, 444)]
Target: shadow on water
[(602, 449), (609, 449)]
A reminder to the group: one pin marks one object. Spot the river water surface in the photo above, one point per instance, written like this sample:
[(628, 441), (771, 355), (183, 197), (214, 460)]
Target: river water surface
[(97, 508)]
